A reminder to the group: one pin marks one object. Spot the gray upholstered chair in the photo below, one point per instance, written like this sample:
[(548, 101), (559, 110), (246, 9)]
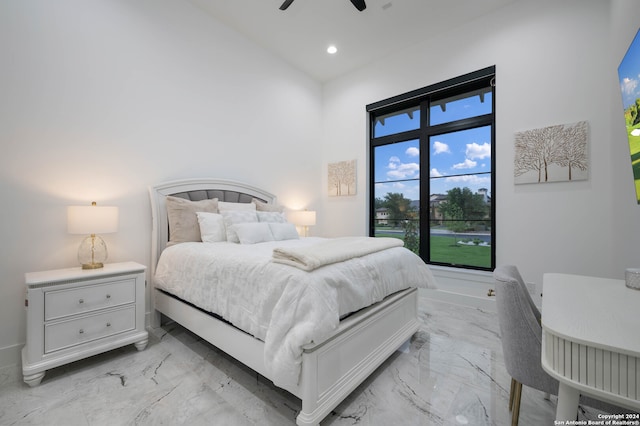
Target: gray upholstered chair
[(521, 335)]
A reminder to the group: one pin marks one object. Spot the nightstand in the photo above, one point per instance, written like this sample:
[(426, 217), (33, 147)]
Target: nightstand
[(75, 313)]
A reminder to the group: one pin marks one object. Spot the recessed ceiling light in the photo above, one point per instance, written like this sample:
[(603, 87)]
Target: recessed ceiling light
[(332, 49)]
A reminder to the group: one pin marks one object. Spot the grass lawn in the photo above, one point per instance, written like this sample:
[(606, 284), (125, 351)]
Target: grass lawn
[(445, 249)]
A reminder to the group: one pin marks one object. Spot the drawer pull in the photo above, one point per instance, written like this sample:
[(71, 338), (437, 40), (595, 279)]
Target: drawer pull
[(81, 301), (81, 331), (108, 296), (108, 324)]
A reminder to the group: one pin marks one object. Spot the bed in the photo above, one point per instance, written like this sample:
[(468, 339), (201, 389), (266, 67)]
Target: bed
[(329, 367)]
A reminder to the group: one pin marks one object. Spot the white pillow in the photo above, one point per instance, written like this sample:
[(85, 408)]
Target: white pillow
[(252, 233), (283, 231), (271, 217), (232, 217), (224, 206), (212, 228)]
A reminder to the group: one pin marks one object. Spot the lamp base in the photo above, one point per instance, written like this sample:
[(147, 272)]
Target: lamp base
[(92, 252), (96, 265)]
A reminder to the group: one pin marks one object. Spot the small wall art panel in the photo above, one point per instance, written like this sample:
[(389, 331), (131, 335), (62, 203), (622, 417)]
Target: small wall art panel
[(557, 153), (342, 178)]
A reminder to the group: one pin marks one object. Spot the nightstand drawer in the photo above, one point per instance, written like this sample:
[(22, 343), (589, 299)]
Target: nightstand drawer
[(62, 303), (72, 332)]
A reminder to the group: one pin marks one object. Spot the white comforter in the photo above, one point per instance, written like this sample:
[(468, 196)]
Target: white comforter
[(282, 305)]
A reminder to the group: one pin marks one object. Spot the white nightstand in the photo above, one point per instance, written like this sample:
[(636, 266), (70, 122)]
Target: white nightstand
[(75, 313)]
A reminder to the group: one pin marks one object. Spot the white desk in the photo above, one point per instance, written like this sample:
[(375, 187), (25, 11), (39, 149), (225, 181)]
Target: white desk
[(591, 340)]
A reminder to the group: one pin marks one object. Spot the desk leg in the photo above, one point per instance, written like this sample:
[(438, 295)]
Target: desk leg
[(568, 399)]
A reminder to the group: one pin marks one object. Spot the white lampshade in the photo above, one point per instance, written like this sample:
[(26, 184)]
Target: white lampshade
[(92, 220), (302, 217)]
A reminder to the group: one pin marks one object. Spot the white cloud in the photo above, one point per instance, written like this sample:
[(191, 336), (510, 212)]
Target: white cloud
[(404, 171), (466, 164), (470, 179), (394, 162), (629, 85), (412, 152), (435, 173), (477, 151), (440, 147)]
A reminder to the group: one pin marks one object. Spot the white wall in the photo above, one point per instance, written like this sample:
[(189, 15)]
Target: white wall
[(100, 99), (553, 66)]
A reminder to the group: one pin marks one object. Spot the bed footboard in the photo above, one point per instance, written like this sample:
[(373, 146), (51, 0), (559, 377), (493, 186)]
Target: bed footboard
[(333, 369)]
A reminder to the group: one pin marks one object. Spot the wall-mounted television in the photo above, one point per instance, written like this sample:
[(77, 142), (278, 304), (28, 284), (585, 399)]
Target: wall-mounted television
[(629, 75)]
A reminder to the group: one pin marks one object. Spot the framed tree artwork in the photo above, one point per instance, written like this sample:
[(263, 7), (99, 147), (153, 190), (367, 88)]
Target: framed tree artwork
[(552, 154), (342, 178)]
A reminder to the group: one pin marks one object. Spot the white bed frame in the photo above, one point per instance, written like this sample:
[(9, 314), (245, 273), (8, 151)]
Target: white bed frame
[(331, 369)]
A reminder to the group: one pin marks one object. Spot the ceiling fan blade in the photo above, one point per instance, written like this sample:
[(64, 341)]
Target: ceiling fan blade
[(286, 4), (359, 4)]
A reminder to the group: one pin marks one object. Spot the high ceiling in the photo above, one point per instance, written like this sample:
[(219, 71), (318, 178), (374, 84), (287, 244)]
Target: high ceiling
[(301, 34)]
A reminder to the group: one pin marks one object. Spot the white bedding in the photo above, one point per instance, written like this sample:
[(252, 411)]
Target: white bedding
[(282, 305)]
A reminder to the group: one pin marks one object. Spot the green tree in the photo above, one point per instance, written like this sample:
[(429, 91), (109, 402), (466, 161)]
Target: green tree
[(454, 220), (411, 238), (465, 204), (461, 206), (398, 206)]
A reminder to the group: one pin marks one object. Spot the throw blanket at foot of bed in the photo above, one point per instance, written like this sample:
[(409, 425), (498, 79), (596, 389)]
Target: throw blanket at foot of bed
[(332, 251)]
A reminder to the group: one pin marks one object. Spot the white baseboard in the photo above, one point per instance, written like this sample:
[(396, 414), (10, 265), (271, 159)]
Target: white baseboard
[(11, 355), (463, 287)]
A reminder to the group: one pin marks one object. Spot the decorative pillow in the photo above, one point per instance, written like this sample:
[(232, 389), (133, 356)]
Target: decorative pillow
[(233, 217), (212, 228), (261, 206), (252, 233), (284, 231), (224, 206), (183, 222), (271, 217)]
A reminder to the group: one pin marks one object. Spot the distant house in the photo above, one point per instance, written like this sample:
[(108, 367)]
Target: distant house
[(382, 216)]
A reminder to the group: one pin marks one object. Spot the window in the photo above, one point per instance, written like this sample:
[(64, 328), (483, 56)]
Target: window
[(446, 215)]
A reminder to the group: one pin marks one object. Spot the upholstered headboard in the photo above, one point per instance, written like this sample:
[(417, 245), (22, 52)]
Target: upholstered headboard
[(194, 190)]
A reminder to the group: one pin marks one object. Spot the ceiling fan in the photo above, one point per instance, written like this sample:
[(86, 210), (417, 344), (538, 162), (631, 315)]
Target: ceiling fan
[(359, 4)]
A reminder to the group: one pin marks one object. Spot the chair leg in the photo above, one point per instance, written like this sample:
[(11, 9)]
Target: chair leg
[(516, 404), (513, 385)]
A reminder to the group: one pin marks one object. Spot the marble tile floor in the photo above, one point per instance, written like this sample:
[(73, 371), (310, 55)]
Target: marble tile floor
[(450, 373)]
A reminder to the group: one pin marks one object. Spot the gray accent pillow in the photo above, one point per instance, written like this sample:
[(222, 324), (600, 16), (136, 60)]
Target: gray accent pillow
[(183, 222), (261, 206)]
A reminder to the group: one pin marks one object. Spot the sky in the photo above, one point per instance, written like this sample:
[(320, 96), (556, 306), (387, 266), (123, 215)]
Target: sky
[(629, 73), (455, 158)]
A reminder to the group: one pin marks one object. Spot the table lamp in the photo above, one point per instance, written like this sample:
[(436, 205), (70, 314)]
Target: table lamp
[(303, 218), (92, 220)]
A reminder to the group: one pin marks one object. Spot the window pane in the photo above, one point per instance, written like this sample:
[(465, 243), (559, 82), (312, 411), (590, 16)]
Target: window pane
[(397, 192), (462, 157), (467, 105), (396, 122), (460, 201)]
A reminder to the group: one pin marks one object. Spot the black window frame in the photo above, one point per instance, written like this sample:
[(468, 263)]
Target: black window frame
[(424, 98)]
